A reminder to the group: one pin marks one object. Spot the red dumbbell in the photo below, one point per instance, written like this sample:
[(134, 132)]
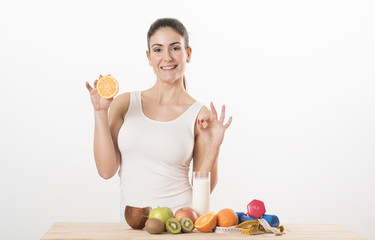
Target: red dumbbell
[(256, 209)]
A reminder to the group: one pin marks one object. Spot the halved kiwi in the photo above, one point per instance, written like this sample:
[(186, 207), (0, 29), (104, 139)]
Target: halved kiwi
[(173, 225), (187, 224)]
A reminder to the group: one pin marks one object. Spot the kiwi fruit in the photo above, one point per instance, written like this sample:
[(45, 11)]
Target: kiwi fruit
[(187, 224), (173, 225), (155, 226)]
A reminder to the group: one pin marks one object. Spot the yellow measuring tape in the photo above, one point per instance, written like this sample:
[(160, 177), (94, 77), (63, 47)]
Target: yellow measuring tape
[(251, 227)]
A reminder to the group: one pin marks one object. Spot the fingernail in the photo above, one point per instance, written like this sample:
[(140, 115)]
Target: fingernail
[(202, 120)]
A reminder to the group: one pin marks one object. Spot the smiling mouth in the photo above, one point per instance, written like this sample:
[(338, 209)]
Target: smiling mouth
[(167, 68)]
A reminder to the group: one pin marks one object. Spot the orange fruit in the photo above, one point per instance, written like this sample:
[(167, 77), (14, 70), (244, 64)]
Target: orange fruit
[(227, 218), (107, 87), (206, 222)]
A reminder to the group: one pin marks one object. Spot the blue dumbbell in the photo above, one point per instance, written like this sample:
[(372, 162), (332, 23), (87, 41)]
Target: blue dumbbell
[(242, 217), (245, 218), (239, 215), (272, 220)]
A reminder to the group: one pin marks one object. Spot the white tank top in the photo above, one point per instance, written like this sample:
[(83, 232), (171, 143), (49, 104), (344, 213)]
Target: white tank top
[(155, 158)]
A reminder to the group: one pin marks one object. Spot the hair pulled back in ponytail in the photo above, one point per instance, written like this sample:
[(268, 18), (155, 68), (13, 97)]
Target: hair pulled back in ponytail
[(173, 23)]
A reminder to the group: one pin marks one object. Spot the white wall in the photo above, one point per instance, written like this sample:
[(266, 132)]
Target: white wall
[(297, 77)]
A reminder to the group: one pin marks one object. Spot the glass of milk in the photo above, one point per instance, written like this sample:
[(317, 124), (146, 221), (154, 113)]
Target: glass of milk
[(201, 192)]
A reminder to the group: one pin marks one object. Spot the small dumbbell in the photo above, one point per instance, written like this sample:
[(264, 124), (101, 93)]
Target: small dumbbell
[(256, 209), (239, 215), (272, 220), (245, 218)]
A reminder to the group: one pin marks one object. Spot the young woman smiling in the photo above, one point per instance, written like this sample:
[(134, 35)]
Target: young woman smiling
[(151, 136)]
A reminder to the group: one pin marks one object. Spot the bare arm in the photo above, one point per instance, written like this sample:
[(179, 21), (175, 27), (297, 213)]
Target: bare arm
[(205, 160), (107, 126), (209, 137)]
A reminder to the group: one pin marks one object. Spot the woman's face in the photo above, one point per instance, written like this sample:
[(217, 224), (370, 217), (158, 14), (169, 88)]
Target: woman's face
[(168, 55)]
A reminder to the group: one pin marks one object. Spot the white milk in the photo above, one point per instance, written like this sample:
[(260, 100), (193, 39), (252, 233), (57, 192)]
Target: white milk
[(201, 194)]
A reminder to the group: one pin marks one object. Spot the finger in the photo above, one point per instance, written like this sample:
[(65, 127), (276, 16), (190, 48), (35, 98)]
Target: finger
[(213, 112), (88, 86), (203, 123), (95, 82), (222, 115), (200, 125), (228, 123), (206, 122)]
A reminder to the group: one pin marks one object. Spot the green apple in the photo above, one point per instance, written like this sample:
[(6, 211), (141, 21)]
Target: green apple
[(163, 213)]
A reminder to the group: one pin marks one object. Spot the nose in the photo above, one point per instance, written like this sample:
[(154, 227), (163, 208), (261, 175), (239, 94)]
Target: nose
[(167, 56)]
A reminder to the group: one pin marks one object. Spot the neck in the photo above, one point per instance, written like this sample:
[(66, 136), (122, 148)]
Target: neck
[(168, 93)]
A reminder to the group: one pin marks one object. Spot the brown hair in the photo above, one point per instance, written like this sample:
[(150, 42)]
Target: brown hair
[(175, 25)]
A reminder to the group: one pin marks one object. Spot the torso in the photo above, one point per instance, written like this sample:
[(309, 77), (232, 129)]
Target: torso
[(164, 113), (156, 151)]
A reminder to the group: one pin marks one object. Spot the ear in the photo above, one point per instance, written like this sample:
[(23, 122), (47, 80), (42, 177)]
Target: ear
[(188, 51), (149, 57)]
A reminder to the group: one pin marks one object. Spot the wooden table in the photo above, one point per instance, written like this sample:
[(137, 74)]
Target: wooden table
[(121, 231)]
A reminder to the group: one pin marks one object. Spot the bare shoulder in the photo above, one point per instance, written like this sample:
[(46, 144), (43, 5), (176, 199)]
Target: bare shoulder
[(120, 105), (204, 113), (122, 98)]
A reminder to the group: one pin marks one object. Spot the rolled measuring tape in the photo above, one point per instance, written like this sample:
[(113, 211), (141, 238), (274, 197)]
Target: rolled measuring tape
[(245, 228), (277, 231), (251, 227)]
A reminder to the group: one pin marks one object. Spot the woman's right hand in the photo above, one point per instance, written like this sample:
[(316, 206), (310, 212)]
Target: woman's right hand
[(97, 101)]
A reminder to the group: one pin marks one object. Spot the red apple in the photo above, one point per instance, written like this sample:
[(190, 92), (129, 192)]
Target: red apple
[(186, 212)]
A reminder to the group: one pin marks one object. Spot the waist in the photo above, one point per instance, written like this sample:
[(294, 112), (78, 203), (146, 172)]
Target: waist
[(156, 184)]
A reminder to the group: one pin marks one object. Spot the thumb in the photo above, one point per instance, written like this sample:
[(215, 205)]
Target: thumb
[(202, 124)]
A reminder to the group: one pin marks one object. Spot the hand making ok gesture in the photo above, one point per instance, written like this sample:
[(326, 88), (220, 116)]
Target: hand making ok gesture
[(212, 129)]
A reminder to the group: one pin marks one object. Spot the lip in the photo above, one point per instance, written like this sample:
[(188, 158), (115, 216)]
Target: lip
[(175, 66)]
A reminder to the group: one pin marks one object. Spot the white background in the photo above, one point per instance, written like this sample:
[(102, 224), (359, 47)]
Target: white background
[(297, 77)]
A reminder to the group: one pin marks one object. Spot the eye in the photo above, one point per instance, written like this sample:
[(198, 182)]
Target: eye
[(157, 50), (176, 48)]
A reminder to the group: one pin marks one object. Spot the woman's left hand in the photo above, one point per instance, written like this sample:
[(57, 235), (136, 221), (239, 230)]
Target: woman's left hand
[(212, 129)]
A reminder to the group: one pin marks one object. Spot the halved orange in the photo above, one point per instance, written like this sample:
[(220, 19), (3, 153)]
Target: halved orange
[(107, 87), (206, 222)]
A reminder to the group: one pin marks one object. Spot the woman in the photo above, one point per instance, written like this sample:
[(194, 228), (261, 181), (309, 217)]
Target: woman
[(152, 135)]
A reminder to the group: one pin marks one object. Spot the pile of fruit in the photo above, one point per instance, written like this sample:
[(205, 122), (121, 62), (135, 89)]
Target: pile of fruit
[(161, 219), (158, 220)]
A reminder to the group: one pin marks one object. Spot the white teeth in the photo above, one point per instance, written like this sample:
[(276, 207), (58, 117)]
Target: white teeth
[(167, 68)]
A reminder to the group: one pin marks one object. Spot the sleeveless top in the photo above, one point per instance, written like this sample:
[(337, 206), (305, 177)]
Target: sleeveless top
[(155, 158)]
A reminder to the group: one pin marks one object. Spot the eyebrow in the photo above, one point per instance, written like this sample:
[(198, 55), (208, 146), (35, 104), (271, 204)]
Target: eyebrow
[(158, 44)]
